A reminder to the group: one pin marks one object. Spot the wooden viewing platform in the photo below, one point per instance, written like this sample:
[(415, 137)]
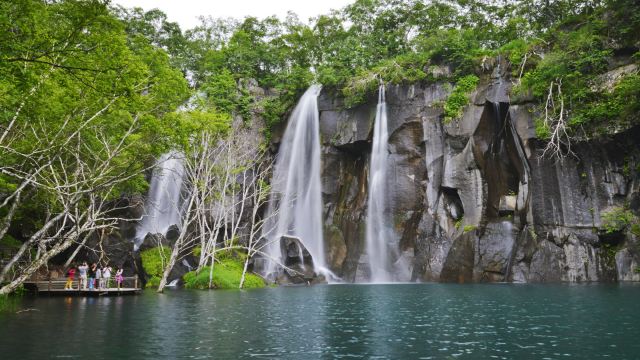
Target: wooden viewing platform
[(56, 287)]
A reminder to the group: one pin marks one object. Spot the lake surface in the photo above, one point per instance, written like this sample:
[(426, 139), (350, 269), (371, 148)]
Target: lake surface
[(408, 321)]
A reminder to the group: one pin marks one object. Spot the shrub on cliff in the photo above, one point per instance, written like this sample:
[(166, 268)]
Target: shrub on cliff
[(459, 98), (617, 219)]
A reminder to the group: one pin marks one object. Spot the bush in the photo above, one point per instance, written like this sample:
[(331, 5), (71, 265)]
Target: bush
[(226, 275), (459, 98), (8, 244), (153, 262), (617, 219), (515, 51)]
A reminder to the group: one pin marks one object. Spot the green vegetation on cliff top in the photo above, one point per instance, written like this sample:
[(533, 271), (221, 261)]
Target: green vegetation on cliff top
[(563, 42)]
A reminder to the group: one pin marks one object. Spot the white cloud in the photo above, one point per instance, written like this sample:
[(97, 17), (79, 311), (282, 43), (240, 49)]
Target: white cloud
[(185, 12)]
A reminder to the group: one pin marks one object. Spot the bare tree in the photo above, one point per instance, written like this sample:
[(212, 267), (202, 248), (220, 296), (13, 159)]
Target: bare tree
[(555, 119), (79, 183), (227, 182)]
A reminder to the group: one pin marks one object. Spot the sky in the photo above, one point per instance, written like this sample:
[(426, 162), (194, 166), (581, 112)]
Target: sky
[(185, 12)]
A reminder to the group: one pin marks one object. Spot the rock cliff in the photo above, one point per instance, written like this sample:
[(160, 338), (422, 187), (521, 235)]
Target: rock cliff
[(473, 200)]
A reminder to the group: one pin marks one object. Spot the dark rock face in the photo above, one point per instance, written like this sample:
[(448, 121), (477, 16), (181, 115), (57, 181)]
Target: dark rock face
[(473, 200), (298, 261)]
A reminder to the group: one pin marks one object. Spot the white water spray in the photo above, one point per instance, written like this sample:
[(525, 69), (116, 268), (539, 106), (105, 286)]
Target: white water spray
[(163, 205), (295, 206), (378, 231)]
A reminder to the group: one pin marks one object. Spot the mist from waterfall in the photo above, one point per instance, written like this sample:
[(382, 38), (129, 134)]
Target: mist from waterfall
[(295, 206), (163, 205), (378, 232)]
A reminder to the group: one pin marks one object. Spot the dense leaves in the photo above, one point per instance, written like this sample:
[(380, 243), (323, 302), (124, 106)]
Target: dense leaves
[(84, 105)]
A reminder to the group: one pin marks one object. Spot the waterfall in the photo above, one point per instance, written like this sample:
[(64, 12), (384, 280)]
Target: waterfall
[(162, 208), (378, 231), (295, 206)]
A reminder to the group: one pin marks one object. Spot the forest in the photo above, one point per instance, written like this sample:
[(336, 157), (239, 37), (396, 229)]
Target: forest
[(91, 94)]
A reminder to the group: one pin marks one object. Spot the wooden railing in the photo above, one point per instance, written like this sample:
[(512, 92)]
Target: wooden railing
[(58, 284)]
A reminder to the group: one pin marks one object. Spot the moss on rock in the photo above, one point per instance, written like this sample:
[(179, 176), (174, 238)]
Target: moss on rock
[(153, 262), (226, 275)]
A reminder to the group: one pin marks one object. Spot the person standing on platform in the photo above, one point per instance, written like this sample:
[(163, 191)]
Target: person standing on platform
[(99, 277), (119, 277), (71, 274), (92, 276), (82, 270), (106, 273)]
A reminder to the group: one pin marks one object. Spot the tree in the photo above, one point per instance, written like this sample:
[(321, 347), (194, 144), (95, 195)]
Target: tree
[(84, 111)]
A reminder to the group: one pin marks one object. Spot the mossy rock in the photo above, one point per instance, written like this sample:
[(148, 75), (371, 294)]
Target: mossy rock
[(153, 262), (226, 275)]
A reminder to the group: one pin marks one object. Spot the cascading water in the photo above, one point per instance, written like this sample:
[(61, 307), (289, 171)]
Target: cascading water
[(378, 232), (163, 206), (295, 206)]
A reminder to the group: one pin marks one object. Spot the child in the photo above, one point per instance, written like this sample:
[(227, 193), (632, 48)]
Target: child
[(119, 278), (71, 274)]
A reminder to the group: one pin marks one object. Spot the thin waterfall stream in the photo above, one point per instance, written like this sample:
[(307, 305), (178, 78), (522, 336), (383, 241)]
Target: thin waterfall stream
[(377, 230)]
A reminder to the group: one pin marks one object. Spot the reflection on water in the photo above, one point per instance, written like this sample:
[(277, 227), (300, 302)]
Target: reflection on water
[(429, 321)]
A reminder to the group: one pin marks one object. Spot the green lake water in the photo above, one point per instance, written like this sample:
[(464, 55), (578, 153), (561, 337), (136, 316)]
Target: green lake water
[(404, 321)]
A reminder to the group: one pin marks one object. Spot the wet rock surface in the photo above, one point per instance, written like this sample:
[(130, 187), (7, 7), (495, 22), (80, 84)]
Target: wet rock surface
[(473, 200), (299, 263)]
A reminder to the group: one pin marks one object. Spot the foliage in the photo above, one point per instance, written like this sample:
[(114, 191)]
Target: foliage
[(574, 53), (197, 251), (70, 67), (401, 69), (153, 262), (458, 223), (459, 98), (468, 228), (609, 253), (8, 244), (226, 275), (617, 219), (609, 112), (515, 51), (367, 42), (9, 303)]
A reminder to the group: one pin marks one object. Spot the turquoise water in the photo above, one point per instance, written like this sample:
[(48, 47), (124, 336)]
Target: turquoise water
[(426, 321)]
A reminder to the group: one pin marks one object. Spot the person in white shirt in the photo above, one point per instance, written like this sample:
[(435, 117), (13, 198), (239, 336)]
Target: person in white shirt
[(106, 274)]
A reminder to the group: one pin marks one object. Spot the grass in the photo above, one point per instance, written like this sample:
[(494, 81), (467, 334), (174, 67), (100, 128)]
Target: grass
[(226, 275)]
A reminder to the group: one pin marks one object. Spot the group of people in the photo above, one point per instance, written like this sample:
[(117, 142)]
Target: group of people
[(93, 277)]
